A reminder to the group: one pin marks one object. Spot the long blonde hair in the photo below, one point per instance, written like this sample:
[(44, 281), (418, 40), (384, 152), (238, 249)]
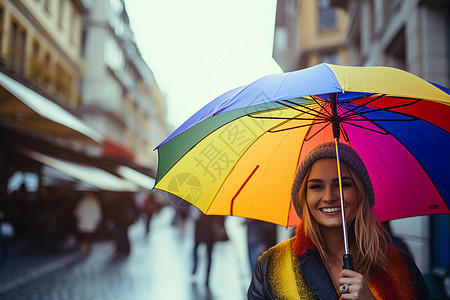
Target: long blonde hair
[(368, 240)]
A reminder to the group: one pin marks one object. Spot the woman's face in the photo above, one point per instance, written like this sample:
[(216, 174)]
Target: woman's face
[(322, 193)]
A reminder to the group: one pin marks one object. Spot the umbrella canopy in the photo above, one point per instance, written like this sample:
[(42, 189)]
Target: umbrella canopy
[(238, 154)]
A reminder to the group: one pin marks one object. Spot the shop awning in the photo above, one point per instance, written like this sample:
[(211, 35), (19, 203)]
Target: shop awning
[(112, 149), (137, 177), (20, 106), (85, 173)]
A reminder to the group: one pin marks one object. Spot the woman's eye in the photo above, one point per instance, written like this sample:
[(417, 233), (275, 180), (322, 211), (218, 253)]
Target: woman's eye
[(315, 186), (347, 184)]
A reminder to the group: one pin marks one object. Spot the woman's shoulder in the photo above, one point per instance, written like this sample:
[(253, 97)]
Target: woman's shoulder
[(277, 249), (403, 271), (399, 255), (403, 265)]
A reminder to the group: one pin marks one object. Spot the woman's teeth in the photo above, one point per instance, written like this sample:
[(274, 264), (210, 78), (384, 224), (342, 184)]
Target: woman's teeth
[(331, 210)]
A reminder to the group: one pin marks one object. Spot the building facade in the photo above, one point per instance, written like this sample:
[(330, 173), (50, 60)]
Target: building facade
[(308, 33), (40, 42), (121, 98), (411, 35), (72, 76)]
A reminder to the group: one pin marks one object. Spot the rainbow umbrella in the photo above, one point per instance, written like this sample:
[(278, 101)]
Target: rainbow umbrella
[(238, 154)]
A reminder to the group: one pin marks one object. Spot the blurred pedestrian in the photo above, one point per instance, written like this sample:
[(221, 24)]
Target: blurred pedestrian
[(180, 218), (88, 212), (124, 213), (39, 218), (150, 207), (396, 241), (6, 227), (20, 210), (65, 201), (260, 237), (208, 231)]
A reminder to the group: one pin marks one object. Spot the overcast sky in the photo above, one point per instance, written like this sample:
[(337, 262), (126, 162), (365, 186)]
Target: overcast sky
[(199, 49)]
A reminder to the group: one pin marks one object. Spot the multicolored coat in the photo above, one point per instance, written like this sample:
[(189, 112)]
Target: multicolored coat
[(294, 269)]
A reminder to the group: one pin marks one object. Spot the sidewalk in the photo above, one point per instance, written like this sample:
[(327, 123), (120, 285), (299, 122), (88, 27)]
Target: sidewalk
[(157, 252), (22, 266)]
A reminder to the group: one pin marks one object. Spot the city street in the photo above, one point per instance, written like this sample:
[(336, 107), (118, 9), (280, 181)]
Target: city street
[(159, 267)]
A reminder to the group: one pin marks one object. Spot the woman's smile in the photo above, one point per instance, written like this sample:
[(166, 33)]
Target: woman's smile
[(323, 195), (330, 210)]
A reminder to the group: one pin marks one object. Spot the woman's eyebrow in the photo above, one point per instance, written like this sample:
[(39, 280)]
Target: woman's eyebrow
[(343, 178), (315, 180)]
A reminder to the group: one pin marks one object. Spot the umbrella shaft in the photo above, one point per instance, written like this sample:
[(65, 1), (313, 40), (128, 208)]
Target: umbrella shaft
[(341, 194), (335, 119)]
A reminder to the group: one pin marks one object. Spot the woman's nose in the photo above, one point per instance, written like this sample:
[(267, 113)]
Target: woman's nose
[(330, 194)]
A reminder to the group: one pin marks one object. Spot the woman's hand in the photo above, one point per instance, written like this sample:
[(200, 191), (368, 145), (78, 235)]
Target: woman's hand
[(356, 285)]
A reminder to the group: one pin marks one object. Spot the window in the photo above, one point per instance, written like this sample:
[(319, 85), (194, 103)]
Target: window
[(115, 16), (47, 4), (60, 76), (61, 13), (72, 28), (440, 242), (331, 58), (36, 48), (327, 15), (46, 70), (1, 25), (17, 47), (114, 57), (36, 67), (372, 17), (83, 42), (395, 55), (62, 82)]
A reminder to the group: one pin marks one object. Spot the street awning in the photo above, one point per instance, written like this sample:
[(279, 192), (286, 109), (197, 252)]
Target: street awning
[(21, 106), (113, 149), (85, 173), (137, 177)]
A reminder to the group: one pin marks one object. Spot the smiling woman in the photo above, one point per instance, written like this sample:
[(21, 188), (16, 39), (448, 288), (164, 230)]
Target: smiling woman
[(309, 265), (322, 193)]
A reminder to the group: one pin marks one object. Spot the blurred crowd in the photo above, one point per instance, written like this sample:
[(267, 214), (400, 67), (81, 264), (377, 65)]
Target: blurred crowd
[(56, 218), (53, 218)]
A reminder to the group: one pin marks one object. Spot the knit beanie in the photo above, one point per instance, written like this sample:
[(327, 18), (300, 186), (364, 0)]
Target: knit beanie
[(328, 150)]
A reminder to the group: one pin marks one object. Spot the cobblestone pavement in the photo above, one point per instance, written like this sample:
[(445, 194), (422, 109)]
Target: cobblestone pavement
[(159, 267)]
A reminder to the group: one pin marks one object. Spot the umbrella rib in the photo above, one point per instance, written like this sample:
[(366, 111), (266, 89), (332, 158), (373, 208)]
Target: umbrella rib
[(286, 118), (321, 129), (354, 110), (356, 113), (316, 112), (299, 126), (384, 132), (240, 189), (318, 115), (344, 133), (328, 114), (345, 101), (386, 120)]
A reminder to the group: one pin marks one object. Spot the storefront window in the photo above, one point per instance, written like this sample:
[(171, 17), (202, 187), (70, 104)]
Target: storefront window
[(327, 15)]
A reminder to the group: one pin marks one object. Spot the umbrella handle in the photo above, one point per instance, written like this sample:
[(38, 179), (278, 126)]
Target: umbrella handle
[(348, 262)]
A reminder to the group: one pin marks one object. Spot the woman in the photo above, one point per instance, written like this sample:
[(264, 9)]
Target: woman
[(309, 265)]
